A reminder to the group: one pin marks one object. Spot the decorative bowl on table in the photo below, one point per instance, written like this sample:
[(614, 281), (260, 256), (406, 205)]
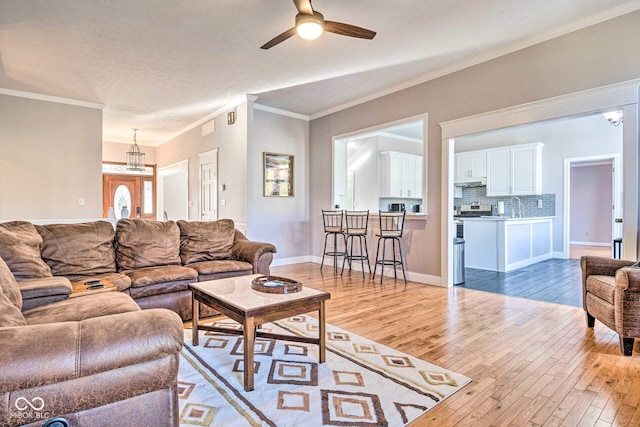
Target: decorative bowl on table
[(275, 285)]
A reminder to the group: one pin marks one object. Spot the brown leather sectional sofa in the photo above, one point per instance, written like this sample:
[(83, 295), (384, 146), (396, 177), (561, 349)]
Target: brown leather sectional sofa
[(99, 359), (150, 260)]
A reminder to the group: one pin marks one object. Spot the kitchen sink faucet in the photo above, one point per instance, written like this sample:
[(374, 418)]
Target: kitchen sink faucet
[(513, 215)]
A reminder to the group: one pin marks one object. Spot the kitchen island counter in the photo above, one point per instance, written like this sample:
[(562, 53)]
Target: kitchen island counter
[(505, 243), (507, 218)]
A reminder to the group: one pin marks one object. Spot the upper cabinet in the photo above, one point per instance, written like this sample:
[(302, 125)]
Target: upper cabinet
[(515, 170), (471, 165), (400, 175)]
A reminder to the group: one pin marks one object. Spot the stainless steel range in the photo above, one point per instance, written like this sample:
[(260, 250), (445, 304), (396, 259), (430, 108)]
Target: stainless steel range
[(474, 210)]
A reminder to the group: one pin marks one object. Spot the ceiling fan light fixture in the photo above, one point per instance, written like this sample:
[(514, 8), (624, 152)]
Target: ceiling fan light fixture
[(309, 27)]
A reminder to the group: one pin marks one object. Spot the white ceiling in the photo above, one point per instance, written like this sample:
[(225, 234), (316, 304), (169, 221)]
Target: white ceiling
[(161, 65)]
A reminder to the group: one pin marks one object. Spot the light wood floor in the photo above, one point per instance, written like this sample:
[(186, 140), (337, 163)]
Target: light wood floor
[(532, 363)]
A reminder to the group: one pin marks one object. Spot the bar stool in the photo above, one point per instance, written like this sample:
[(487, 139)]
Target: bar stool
[(333, 227), (357, 223), (391, 228)]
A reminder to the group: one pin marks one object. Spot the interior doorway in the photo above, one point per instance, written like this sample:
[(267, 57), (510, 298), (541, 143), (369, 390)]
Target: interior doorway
[(593, 204), (173, 191), (130, 196)]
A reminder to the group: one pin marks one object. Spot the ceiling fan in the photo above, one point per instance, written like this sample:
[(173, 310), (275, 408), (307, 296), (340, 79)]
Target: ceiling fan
[(311, 24)]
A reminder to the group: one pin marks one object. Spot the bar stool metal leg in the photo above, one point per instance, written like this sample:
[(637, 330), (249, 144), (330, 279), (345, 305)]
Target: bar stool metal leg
[(375, 266), (402, 262)]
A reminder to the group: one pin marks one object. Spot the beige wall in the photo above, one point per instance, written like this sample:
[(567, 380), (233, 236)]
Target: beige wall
[(283, 221), (50, 157), (231, 142), (116, 152), (575, 62)]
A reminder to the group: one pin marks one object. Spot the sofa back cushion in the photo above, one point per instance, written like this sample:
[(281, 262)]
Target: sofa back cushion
[(206, 241), (20, 246), (141, 243), (9, 286), (78, 249)]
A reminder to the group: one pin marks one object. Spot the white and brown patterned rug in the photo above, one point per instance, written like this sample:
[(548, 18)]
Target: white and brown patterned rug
[(362, 383)]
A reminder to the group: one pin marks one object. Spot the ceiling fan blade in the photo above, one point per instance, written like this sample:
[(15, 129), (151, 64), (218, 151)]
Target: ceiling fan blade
[(279, 39), (348, 30), (304, 6)]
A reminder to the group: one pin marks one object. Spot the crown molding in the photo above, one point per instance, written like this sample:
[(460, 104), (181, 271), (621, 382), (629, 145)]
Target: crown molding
[(49, 98), (280, 112), (531, 41)]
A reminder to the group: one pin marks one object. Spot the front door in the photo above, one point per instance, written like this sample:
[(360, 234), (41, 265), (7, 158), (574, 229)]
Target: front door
[(130, 196)]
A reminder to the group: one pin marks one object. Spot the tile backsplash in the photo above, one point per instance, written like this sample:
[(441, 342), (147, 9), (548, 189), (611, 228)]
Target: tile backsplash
[(529, 203)]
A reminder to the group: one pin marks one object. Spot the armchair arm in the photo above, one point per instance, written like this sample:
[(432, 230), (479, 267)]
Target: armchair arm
[(257, 254), (594, 265), (627, 302), (37, 355)]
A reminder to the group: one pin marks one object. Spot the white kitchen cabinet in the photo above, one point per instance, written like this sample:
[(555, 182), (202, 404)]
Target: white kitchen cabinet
[(526, 170), (400, 175), (418, 178), (499, 172), (471, 164), (515, 171)]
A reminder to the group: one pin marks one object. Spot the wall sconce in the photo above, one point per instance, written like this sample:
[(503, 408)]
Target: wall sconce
[(614, 117), (231, 117)]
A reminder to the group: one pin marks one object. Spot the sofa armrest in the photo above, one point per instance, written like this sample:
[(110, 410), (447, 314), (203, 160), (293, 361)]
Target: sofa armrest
[(38, 355), (43, 290), (258, 254)]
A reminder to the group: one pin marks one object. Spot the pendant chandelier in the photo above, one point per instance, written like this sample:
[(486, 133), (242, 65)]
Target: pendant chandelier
[(135, 158)]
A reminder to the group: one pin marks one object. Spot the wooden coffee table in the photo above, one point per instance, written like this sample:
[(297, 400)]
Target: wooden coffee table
[(234, 298)]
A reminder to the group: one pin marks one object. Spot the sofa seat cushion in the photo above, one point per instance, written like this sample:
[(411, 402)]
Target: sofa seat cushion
[(121, 281), (78, 249), (44, 287), (81, 308), (604, 287), (150, 276), (169, 288), (206, 240), (20, 246), (9, 285), (222, 266), (141, 243)]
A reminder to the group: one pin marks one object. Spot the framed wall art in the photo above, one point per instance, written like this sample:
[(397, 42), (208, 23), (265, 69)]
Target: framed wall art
[(278, 175)]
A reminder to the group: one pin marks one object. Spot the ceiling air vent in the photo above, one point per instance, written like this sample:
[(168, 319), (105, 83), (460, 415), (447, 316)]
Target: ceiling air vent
[(208, 128)]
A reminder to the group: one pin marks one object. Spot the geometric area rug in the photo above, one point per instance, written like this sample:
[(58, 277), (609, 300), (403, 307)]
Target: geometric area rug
[(362, 383)]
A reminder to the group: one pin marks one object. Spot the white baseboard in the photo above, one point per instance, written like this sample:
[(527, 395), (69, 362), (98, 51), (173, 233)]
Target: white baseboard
[(591, 244), (292, 260), (560, 255), (426, 279), (528, 262)]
